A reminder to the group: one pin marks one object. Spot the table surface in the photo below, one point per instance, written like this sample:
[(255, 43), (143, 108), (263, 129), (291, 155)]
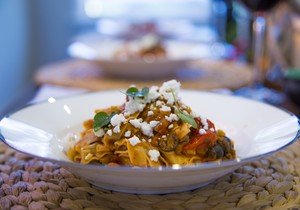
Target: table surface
[(198, 75), (202, 75)]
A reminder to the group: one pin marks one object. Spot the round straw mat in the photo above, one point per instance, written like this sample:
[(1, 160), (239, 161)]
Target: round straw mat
[(272, 182)]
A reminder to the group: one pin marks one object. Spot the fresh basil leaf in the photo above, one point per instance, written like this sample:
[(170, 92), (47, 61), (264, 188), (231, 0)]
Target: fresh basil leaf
[(187, 118), (183, 116), (175, 99), (132, 91), (145, 91), (102, 119)]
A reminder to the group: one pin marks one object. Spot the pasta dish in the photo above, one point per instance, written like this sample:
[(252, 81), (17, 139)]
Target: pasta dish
[(148, 47), (152, 128)]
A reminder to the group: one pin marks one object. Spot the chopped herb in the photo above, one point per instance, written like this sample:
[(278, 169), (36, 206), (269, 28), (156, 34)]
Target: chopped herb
[(134, 92), (185, 117), (145, 91), (101, 120)]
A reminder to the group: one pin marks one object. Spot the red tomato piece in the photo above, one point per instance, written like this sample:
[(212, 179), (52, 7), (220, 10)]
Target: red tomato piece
[(203, 140)]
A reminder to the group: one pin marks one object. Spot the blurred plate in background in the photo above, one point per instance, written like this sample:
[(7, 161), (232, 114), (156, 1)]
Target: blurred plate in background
[(178, 54)]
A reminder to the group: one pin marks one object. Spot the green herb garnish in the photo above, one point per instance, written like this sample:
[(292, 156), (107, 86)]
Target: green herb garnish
[(185, 117), (145, 91), (134, 92), (101, 120)]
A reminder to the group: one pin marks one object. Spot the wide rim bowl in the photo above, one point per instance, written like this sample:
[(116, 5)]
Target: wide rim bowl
[(257, 129)]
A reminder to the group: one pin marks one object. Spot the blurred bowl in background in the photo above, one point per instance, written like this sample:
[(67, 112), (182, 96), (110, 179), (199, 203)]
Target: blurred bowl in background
[(292, 85), (177, 55)]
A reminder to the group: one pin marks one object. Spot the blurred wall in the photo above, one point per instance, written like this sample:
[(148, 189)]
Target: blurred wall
[(54, 24), (14, 52), (32, 33)]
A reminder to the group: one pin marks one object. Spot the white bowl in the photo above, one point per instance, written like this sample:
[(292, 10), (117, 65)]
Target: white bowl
[(179, 53), (257, 129)]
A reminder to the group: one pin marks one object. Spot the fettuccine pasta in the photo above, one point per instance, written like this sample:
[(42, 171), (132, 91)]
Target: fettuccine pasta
[(152, 128)]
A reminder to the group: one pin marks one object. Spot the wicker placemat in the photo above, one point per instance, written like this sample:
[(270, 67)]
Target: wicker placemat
[(269, 183)]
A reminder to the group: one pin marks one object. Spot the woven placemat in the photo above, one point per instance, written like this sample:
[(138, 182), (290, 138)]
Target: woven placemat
[(268, 183)]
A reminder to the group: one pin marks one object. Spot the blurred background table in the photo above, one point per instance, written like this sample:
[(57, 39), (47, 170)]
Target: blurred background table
[(225, 76), (199, 74)]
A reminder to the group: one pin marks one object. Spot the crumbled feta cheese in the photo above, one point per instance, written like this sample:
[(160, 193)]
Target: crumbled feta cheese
[(134, 140), (212, 130), (204, 123), (147, 129), (159, 103), (171, 84), (150, 113), (153, 123), (134, 105), (109, 132), (117, 119), (127, 133), (117, 129), (153, 154), (163, 136), (202, 131), (100, 133), (170, 126), (153, 93), (171, 117), (137, 123), (165, 108), (168, 89)]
